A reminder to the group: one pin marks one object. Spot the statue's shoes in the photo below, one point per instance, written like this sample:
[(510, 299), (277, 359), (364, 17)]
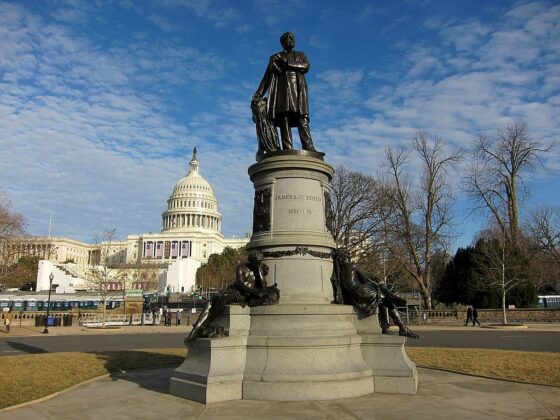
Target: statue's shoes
[(315, 151), (408, 333)]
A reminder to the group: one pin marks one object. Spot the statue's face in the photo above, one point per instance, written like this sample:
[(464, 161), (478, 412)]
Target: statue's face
[(288, 41), (255, 258)]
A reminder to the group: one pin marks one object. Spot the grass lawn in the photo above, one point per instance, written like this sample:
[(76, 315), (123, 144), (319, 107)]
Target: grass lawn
[(28, 377), (521, 366)]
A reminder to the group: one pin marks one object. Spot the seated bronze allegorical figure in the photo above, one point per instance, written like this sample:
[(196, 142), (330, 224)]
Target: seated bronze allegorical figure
[(249, 289), (352, 287)]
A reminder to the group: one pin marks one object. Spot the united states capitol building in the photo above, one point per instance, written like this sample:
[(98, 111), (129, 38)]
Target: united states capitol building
[(168, 260)]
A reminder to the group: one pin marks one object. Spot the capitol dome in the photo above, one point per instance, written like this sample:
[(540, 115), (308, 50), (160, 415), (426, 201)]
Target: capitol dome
[(192, 205)]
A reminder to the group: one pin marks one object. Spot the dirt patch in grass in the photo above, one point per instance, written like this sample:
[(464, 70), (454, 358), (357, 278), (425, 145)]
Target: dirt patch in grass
[(29, 377), (533, 367)]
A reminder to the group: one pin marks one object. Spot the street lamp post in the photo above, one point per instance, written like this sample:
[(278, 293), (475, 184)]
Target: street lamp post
[(46, 330)]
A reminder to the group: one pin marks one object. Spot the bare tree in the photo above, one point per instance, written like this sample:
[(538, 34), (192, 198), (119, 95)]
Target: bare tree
[(543, 229), (543, 234), (12, 228), (422, 221), (102, 277), (356, 204), (501, 265), (495, 180)]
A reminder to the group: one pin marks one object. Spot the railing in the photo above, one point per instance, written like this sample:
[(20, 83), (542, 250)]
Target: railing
[(432, 315), (96, 320)]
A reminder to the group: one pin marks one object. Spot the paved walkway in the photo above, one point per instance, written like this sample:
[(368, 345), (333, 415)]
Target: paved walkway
[(31, 331), (441, 395)]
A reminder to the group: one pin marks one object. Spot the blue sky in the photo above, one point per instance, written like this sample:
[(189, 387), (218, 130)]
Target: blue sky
[(101, 102)]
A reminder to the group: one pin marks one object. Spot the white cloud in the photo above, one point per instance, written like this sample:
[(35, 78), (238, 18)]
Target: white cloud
[(162, 23), (81, 141), (215, 12), (96, 129), (493, 74)]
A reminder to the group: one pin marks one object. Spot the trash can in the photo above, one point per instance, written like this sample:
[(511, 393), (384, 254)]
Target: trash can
[(57, 321), (50, 321), (67, 320), (40, 321)]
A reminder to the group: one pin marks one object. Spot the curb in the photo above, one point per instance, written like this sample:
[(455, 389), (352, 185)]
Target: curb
[(506, 327)]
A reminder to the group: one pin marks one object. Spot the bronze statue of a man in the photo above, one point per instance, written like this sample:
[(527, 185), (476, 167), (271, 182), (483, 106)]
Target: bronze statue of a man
[(287, 104), (250, 289), (352, 287)]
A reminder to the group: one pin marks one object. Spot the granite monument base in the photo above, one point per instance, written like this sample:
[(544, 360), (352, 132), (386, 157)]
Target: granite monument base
[(294, 352)]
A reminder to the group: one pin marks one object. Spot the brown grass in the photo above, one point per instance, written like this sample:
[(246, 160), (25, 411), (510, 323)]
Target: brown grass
[(532, 367), (28, 377)]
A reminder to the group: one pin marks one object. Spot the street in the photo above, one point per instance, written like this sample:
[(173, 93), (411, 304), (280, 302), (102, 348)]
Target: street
[(525, 340)]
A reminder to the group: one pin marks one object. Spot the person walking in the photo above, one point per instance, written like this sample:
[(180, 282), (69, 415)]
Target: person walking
[(475, 316), (178, 317), (7, 325), (469, 315)]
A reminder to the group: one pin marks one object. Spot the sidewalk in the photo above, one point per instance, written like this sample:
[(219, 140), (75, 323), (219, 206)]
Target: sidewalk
[(549, 326), (29, 330), (441, 395)]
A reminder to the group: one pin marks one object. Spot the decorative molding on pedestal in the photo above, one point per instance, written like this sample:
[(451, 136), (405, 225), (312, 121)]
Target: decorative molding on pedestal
[(261, 210)]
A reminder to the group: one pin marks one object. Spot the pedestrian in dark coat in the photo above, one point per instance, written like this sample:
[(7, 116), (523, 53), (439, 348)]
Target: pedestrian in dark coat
[(469, 315), (475, 316)]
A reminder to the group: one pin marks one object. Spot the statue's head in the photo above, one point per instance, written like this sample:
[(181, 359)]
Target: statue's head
[(288, 41), (255, 257)]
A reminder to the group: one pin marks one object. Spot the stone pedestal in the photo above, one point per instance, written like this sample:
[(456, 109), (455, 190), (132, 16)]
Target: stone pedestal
[(304, 348), (289, 224)]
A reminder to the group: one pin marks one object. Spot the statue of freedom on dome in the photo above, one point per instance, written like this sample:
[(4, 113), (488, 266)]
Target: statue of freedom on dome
[(287, 102)]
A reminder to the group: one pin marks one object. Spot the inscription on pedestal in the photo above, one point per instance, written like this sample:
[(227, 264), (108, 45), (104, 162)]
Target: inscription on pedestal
[(298, 206), (296, 199)]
